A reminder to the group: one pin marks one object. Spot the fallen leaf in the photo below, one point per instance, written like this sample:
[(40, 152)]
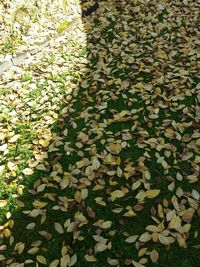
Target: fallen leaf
[(58, 228), (41, 259), (116, 194), (152, 193), (27, 171), (90, 258), (3, 203), (154, 255), (131, 239)]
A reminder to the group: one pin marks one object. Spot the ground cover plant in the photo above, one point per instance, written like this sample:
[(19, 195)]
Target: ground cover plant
[(100, 143)]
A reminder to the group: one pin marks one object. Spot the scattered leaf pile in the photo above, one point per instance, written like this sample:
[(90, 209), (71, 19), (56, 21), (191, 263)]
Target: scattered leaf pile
[(115, 166), (25, 24)]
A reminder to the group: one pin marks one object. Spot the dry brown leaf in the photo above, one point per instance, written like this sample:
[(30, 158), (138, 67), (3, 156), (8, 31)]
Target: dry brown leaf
[(154, 255)]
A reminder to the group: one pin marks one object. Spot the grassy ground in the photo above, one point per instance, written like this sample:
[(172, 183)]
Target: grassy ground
[(24, 25), (100, 161)]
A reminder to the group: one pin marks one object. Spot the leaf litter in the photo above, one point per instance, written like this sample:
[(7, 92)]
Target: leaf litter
[(128, 139)]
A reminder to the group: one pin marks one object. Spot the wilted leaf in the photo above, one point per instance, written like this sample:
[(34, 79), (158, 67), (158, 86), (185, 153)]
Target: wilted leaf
[(33, 250), (27, 171), (41, 259), (99, 247), (90, 258), (116, 194), (73, 260), (106, 225), (2, 257), (137, 264), (131, 239), (145, 237), (30, 226), (152, 193), (59, 228), (113, 262), (3, 203), (54, 263), (154, 256)]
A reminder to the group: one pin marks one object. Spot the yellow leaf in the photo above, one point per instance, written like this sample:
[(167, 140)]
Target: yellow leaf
[(143, 260), (152, 228), (142, 251), (2, 257), (131, 239), (181, 242), (65, 261), (41, 259), (41, 188), (39, 204), (106, 225), (54, 263), (80, 164), (33, 250), (154, 256), (112, 262), (41, 167), (99, 247), (80, 217), (64, 183), (155, 237), (186, 227), (19, 247), (90, 258), (162, 54), (96, 164), (145, 237), (10, 223), (136, 185), (84, 193), (34, 213), (3, 147), (64, 250), (7, 232), (137, 264), (129, 213), (30, 226), (140, 196), (114, 148), (27, 171), (59, 228), (117, 210), (3, 203), (163, 239), (99, 200), (116, 194), (175, 223), (14, 138), (44, 143), (2, 168), (151, 193), (73, 260), (119, 172)]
